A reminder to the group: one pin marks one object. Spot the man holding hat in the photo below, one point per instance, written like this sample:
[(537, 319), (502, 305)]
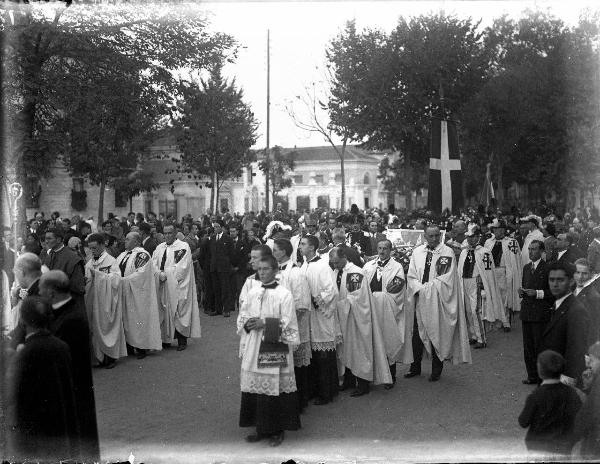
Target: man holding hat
[(507, 268)]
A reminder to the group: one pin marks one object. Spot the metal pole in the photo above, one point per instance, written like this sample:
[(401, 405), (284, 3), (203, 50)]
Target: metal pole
[(267, 194)]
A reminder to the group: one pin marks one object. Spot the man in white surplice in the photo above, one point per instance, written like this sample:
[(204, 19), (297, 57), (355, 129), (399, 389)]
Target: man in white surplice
[(439, 315), (102, 301), (507, 267), (266, 324), (176, 285), (138, 293), (292, 278), (385, 277), (323, 372)]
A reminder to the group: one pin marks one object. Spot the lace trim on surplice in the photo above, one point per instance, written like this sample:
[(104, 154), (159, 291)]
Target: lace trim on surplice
[(323, 346), (267, 384), (302, 355)]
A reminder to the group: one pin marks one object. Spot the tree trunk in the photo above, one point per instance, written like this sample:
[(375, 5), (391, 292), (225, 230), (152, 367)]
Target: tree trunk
[(130, 204), (408, 184), (500, 189), (343, 174), (217, 188), (212, 193), (101, 204)]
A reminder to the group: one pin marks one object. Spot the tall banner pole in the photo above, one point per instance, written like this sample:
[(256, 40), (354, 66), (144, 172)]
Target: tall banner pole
[(16, 192)]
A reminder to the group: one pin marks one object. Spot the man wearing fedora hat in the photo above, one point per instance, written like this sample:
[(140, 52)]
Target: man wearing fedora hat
[(507, 267)]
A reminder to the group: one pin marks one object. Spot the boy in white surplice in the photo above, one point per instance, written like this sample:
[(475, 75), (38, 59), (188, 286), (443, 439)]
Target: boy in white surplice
[(268, 329)]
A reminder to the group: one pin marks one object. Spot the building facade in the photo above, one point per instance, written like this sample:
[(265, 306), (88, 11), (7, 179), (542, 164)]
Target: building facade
[(316, 182)]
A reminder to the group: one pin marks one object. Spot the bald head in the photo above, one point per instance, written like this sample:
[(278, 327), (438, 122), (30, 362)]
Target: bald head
[(28, 268), (460, 227), (54, 285), (132, 240), (337, 258)]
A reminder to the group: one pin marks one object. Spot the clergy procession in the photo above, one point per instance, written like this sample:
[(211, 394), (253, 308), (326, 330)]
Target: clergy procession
[(311, 323)]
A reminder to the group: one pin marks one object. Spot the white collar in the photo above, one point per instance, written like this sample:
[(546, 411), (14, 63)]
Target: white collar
[(61, 303), (534, 264), (58, 249), (550, 381), (558, 302), (560, 253)]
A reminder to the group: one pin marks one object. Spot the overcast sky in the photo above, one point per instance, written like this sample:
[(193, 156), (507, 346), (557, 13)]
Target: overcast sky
[(300, 31)]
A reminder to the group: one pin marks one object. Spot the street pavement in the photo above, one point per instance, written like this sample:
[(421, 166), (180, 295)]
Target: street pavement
[(183, 407)]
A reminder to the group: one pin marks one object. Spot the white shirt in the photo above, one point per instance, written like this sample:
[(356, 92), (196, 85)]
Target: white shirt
[(561, 253), (534, 264), (558, 302), (61, 303)]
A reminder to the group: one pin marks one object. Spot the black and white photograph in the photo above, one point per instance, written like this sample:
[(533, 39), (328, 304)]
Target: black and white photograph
[(300, 232)]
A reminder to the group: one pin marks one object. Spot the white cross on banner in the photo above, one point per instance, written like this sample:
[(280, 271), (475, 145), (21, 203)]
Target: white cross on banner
[(444, 161)]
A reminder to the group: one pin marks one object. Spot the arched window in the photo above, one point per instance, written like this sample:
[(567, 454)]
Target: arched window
[(367, 179)]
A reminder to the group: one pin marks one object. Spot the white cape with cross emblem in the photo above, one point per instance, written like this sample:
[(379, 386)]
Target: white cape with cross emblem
[(440, 312), (511, 255), (493, 308), (177, 298), (391, 311)]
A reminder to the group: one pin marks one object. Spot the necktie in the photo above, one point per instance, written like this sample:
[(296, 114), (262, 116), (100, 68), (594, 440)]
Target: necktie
[(497, 253), (52, 259), (164, 259), (427, 267), (124, 263), (338, 280), (469, 265)]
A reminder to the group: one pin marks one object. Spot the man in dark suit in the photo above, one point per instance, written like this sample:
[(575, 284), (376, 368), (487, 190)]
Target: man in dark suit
[(149, 243), (535, 308), (589, 297), (374, 237), (62, 258), (28, 270), (221, 250), (239, 259), (69, 323), (566, 332), (42, 414), (339, 241), (565, 251)]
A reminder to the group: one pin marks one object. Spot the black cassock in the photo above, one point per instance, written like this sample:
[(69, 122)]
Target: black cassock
[(42, 415), (70, 325)]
